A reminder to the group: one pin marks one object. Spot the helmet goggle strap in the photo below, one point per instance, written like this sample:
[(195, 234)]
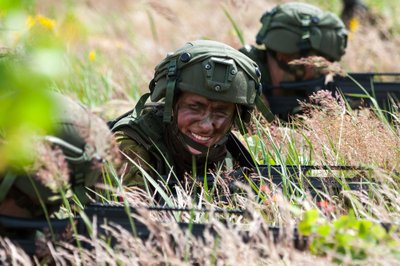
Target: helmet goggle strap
[(169, 94)]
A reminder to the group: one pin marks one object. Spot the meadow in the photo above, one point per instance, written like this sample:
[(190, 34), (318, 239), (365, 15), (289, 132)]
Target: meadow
[(103, 54)]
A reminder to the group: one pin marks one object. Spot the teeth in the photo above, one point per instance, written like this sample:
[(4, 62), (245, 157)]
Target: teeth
[(200, 137)]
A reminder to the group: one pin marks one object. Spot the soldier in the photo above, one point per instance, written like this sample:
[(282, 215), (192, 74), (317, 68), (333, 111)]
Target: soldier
[(69, 160), (291, 31), (198, 93), (352, 9)]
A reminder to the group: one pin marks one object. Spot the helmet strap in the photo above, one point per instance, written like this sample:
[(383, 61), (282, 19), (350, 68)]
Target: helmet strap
[(6, 184), (263, 109), (169, 94), (140, 104)]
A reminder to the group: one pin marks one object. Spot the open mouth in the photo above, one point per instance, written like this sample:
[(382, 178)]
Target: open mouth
[(199, 138)]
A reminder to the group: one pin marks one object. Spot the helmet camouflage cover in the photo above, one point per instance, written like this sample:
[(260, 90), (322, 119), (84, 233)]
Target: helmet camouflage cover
[(298, 27), (210, 69), (70, 159)]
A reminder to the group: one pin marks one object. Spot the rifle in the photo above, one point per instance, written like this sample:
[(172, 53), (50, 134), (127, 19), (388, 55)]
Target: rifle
[(22, 231), (112, 215), (288, 177), (117, 216), (383, 87)]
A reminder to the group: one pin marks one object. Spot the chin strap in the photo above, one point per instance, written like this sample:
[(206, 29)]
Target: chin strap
[(169, 94), (263, 109)]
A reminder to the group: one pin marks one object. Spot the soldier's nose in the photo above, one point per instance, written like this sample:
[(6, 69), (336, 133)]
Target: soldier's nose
[(206, 123)]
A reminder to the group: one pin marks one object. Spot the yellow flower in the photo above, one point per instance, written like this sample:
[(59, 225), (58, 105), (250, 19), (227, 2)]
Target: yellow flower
[(40, 20), (353, 24), (45, 22), (30, 22), (92, 55)]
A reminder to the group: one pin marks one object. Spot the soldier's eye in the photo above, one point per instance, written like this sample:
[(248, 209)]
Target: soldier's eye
[(221, 115), (194, 107)]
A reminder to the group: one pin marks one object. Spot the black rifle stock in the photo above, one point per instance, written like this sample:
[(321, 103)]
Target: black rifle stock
[(384, 87), (287, 176), (115, 216), (291, 179)]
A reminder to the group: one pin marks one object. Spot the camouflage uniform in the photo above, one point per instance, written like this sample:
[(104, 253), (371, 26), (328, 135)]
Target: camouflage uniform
[(70, 160), (153, 141), (296, 28)]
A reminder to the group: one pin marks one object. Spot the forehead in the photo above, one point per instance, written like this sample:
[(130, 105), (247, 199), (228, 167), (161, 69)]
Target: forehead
[(193, 97)]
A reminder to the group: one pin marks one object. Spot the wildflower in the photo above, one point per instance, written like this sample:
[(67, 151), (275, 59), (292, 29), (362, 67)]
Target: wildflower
[(92, 55), (326, 206), (354, 24), (30, 22), (265, 189), (320, 64), (43, 21)]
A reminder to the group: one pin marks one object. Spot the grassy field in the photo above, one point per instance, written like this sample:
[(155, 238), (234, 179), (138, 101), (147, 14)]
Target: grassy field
[(119, 44), (103, 53)]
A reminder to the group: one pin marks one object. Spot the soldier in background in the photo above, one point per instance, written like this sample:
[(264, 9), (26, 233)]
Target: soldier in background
[(351, 9), (292, 31), (70, 160), (198, 92)]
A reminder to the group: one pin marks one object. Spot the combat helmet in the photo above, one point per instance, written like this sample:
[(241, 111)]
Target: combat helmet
[(210, 69), (69, 159), (299, 27)]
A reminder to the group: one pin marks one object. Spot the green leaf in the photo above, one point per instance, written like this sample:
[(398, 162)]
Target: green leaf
[(12, 5), (308, 224), (324, 230)]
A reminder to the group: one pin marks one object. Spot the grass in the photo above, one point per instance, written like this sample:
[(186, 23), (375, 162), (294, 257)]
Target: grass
[(112, 60)]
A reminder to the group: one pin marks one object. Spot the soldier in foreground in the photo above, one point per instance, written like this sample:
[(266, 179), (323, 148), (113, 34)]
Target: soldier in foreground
[(292, 31), (198, 92), (68, 161)]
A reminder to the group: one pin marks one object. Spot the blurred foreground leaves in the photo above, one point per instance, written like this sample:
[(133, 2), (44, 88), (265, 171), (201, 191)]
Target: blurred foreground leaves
[(31, 62)]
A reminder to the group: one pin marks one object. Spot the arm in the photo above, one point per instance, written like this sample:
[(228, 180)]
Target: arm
[(132, 151)]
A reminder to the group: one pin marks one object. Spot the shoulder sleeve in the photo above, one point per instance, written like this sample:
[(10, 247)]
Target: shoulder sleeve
[(136, 159)]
